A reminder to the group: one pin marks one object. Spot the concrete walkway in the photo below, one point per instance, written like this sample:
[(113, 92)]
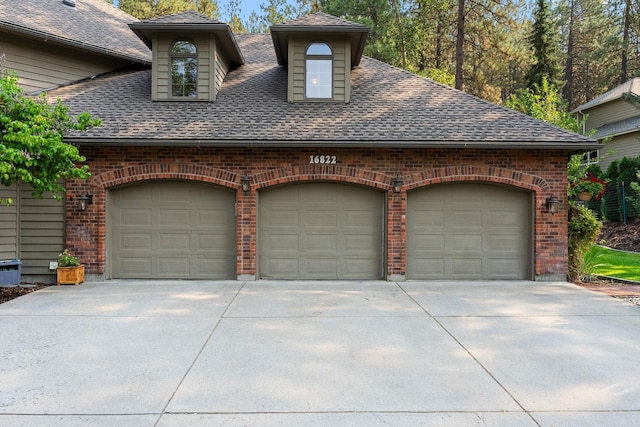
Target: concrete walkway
[(266, 353)]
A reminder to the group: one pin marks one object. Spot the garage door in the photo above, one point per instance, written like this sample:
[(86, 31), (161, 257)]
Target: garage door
[(178, 230), (469, 231), (320, 231)]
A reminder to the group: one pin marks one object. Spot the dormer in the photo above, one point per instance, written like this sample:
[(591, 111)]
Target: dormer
[(191, 55), (319, 51)]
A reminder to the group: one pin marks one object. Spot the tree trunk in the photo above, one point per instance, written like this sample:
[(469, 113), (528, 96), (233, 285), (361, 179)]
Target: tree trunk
[(568, 70), (624, 63), (460, 44)]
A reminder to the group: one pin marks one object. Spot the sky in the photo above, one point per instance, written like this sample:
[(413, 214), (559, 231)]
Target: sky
[(247, 6)]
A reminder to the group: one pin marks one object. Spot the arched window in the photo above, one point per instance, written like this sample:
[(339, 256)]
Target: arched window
[(184, 69), (319, 71)]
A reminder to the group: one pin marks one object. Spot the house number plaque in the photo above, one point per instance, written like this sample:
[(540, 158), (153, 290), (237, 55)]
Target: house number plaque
[(323, 159)]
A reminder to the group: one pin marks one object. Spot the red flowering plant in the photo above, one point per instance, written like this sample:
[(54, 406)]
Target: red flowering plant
[(588, 184)]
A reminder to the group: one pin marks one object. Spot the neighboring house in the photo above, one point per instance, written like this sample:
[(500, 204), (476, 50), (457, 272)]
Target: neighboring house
[(614, 120), (292, 156)]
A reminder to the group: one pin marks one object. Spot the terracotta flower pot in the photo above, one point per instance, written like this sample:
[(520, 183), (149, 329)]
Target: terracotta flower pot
[(584, 196)]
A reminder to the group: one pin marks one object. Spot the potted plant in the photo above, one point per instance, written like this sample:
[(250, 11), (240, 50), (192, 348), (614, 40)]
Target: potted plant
[(588, 187), (69, 271)]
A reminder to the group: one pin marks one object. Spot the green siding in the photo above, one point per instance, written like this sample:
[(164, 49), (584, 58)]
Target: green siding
[(31, 229)]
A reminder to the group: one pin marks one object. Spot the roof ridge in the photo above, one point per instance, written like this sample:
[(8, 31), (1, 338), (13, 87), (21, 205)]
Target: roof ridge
[(318, 19), (178, 18)]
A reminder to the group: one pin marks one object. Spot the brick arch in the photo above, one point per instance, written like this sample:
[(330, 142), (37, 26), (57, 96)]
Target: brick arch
[(155, 171), (505, 176), (336, 173)]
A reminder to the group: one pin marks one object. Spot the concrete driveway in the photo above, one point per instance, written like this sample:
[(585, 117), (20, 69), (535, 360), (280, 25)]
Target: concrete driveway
[(267, 353)]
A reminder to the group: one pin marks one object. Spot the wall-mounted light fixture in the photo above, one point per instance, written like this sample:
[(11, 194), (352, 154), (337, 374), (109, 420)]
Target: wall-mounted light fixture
[(552, 204), (85, 200), (245, 182), (397, 184)]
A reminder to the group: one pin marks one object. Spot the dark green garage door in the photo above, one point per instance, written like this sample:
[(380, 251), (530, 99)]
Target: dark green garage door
[(177, 230), (320, 231), (469, 231)]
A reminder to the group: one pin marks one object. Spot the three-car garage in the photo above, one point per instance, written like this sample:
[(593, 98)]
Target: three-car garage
[(318, 230)]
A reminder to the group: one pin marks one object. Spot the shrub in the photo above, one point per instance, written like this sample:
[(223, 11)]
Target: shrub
[(584, 228)]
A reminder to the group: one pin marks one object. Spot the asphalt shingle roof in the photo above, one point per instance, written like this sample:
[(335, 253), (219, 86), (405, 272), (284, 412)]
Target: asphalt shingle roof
[(388, 107), (618, 128), (92, 25)]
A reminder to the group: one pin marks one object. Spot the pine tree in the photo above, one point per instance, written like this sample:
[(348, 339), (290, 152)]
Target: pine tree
[(545, 47)]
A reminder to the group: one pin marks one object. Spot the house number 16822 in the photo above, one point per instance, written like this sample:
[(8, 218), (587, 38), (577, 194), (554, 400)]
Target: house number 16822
[(323, 160)]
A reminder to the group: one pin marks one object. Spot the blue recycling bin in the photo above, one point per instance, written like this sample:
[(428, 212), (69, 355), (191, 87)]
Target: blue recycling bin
[(10, 272)]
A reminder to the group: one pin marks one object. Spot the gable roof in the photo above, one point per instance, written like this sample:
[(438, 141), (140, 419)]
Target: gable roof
[(95, 26), (319, 23), (630, 86), (190, 22), (389, 107)]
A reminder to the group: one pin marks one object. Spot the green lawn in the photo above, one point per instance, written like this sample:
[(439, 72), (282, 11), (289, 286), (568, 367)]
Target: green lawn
[(613, 263)]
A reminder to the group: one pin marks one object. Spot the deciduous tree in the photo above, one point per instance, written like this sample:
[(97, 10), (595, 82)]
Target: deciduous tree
[(32, 146)]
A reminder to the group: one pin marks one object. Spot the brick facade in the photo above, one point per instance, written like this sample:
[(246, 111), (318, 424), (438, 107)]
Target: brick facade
[(541, 172)]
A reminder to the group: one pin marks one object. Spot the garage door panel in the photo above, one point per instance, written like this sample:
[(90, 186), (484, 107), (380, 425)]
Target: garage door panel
[(462, 219), (210, 217), (466, 242), (466, 267), (355, 268), (360, 218), (336, 222), (499, 267), (507, 242), (471, 231), (284, 268), (180, 217), (321, 268), (212, 266), (170, 242), (281, 217), (139, 241), (501, 219), (318, 242), (429, 241), (321, 217), (169, 229), (283, 241), (432, 267), (208, 242), (136, 217), (137, 194), (365, 244), (174, 195), (134, 266), (172, 266)]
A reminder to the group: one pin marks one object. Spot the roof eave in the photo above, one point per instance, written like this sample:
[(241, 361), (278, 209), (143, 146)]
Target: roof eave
[(280, 36), (145, 32), (507, 145)]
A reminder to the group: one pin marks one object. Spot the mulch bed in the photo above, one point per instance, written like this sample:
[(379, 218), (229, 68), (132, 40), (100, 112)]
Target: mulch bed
[(9, 293), (624, 237)]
